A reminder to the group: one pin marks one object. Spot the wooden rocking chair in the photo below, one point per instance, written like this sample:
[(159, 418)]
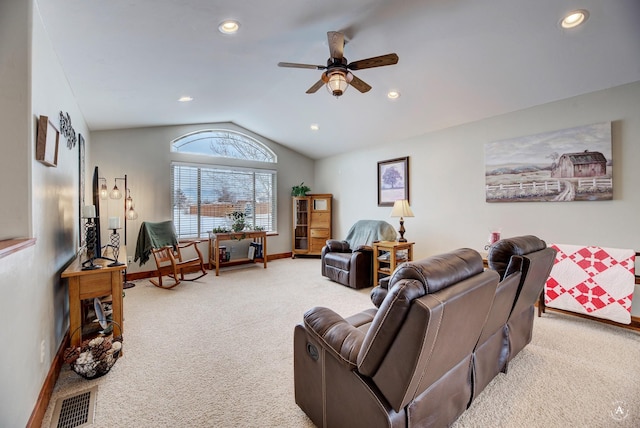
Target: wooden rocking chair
[(160, 240), (170, 262)]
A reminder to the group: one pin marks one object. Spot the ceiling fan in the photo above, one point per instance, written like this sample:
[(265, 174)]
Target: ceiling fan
[(337, 76)]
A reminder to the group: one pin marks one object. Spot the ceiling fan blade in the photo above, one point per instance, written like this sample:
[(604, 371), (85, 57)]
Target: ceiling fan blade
[(336, 44), (360, 85), (296, 65), (378, 61), (315, 87)]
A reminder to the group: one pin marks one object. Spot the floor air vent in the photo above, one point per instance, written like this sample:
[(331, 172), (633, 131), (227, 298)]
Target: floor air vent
[(76, 410)]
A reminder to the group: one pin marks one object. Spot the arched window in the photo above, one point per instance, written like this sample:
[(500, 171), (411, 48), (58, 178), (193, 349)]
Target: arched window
[(208, 196), (225, 144)]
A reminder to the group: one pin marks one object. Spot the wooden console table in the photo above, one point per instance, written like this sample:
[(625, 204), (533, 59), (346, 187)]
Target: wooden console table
[(87, 284), (214, 247)]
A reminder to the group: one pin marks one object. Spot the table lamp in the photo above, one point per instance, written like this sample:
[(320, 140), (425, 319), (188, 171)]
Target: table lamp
[(401, 209)]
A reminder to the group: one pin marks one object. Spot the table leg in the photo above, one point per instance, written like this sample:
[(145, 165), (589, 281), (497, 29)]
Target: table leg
[(264, 250), (216, 256), (74, 311), (116, 304)]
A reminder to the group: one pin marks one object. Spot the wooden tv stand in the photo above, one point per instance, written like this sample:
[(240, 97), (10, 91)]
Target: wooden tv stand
[(87, 284)]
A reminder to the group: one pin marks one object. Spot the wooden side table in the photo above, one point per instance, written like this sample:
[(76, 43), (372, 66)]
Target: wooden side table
[(258, 236), (87, 284), (387, 255)]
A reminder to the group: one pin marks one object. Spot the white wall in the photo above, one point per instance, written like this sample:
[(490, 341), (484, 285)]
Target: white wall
[(446, 171), (15, 120), (144, 155), (33, 308)]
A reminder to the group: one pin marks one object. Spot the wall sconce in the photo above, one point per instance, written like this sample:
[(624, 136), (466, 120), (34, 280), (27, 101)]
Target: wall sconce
[(401, 209)]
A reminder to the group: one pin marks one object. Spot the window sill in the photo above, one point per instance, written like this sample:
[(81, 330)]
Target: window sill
[(10, 246)]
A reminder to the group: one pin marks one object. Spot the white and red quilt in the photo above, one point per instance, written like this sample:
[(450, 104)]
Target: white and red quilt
[(594, 281)]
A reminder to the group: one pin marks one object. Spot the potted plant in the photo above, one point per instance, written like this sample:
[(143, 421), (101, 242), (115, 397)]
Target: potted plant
[(300, 190), (238, 218)]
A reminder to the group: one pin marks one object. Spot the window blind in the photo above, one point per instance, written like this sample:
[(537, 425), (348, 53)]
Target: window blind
[(204, 197)]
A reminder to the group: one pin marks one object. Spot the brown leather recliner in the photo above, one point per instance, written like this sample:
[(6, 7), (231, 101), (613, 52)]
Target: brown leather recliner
[(397, 366), (537, 260), (523, 263), (350, 262)]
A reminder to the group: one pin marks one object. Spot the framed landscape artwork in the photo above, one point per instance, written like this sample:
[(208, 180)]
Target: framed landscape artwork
[(393, 181), (573, 164)]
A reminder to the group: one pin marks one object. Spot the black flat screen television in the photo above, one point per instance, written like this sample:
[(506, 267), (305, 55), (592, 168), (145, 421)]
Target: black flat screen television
[(96, 202)]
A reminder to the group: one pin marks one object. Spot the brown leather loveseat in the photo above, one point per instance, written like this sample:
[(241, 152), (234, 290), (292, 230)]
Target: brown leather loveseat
[(444, 329), (408, 363)]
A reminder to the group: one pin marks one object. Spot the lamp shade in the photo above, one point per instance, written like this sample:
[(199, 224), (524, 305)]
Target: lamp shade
[(132, 214), (115, 192), (401, 208), (337, 84), (104, 192)]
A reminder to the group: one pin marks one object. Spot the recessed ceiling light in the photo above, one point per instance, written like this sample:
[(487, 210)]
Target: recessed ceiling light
[(392, 95), (229, 26), (185, 99), (574, 18), (314, 127)]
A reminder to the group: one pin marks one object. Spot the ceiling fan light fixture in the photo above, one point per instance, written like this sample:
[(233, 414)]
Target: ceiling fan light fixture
[(229, 26), (574, 18), (338, 82)]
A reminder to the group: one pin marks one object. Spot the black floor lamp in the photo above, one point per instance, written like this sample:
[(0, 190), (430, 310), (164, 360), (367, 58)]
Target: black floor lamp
[(129, 214)]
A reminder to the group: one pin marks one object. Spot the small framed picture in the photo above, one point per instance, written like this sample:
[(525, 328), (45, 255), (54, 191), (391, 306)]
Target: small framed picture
[(393, 181), (47, 140)]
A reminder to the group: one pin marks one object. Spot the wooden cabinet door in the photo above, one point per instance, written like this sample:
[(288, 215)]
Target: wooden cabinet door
[(301, 218)]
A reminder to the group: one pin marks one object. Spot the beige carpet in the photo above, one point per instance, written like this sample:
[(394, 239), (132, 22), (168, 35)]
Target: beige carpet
[(218, 353)]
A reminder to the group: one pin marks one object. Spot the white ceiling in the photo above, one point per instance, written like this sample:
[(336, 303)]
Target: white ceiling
[(128, 61)]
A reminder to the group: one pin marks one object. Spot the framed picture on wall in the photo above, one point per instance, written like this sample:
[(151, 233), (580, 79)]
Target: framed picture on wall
[(393, 181), (571, 164), (47, 140)]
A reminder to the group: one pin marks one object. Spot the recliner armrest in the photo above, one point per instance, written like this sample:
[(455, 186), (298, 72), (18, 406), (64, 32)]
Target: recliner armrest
[(333, 245), (339, 337), (363, 248)]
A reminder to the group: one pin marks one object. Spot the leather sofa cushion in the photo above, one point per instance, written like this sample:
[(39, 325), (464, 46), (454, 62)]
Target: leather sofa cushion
[(411, 281), (385, 325), (340, 261), (500, 253)]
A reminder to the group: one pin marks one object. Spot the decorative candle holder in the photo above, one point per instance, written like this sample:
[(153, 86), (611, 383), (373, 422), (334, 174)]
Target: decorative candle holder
[(114, 242), (92, 241)]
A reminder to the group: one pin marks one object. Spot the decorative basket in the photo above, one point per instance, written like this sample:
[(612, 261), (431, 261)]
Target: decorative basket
[(94, 357)]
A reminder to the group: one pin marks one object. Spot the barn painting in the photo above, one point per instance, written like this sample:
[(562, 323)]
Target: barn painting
[(585, 164), (572, 164)]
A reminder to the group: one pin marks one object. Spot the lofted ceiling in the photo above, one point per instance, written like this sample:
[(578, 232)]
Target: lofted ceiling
[(128, 62)]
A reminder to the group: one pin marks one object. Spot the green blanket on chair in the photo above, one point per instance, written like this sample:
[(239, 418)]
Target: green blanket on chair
[(154, 235)]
